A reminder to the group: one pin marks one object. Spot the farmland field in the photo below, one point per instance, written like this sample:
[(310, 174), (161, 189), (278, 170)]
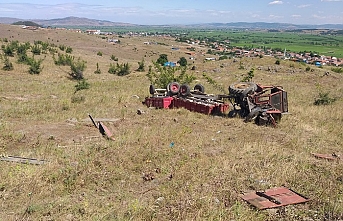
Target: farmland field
[(323, 42), (163, 164)]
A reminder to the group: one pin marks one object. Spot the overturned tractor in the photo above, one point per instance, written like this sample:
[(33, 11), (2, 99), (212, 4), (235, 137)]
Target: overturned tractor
[(262, 104)]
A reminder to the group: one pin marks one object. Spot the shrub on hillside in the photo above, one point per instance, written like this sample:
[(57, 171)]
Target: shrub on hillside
[(82, 85), (162, 76), (249, 76), (77, 69), (119, 69), (35, 66), (141, 66), (113, 58), (8, 66), (324, 99), (69, 50), (337, 70), (63, 60), (97, 71), (36, 50)]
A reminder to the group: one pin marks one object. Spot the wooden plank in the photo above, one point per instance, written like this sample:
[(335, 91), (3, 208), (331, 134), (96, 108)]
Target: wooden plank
[(22, 160)]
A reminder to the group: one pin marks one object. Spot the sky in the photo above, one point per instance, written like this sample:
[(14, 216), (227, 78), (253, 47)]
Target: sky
[(164, 12)]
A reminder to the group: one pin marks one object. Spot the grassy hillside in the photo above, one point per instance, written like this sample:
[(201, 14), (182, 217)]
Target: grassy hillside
[(163, 164)]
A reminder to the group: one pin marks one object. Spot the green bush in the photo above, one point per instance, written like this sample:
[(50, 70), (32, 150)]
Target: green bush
[(77, 69), (69, 50), (99, 53), (8, 50), (162, 76), (324, 99), (337, 70), (113, 58), (82, 85), (36, 50), (62, 47), (141, 66), (119, 69), (64, 60), (97, 71), (223, 57), (24, 59), (163, 58), (249, 76), (35, 66), (8, 66)]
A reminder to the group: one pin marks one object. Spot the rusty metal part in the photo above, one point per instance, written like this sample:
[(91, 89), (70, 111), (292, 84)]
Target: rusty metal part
[(105, 131), (275, 197), (92, 121), (332, 156)]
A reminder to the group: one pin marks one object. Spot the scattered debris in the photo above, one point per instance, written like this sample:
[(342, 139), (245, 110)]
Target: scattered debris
[(23, 160), (102, 128), (332, 156), (148, 176), (275, 197), (105, 131), (140, 112)]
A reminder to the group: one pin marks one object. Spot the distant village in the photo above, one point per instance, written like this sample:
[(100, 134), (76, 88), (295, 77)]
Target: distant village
[(221, 48)]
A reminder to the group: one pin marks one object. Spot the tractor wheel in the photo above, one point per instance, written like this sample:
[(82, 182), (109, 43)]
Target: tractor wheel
[(185, 90), (174, 88), (253, 114), (152, 89), (242, 88), (200, 88)]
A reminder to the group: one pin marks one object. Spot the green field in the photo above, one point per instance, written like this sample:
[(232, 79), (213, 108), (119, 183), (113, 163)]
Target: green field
[(323, 42)]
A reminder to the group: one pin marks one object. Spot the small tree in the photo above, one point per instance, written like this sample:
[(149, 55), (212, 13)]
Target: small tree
[(162, 76), (8, 50), (35, 66), (324, 99), (8, 66), (182, 62), (36, 50), (69, 50), (97, 71), (77, 69), (249, 75), (141, 66), (162, 59), (113, 58), (82, 85), (119, 69)]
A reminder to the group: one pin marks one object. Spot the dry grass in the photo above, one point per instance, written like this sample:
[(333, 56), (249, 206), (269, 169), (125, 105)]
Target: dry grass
[(200, 177)]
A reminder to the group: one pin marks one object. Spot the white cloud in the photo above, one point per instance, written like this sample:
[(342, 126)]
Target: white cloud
[(303, 6), (296, 16), (276, 3), (331, 0), (275, 16)]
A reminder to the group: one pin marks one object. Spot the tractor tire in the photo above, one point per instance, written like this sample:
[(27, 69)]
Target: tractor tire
[(200, 88), (174, 88), (152, 89), (185, 90), (242, 88), (255, 112)]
